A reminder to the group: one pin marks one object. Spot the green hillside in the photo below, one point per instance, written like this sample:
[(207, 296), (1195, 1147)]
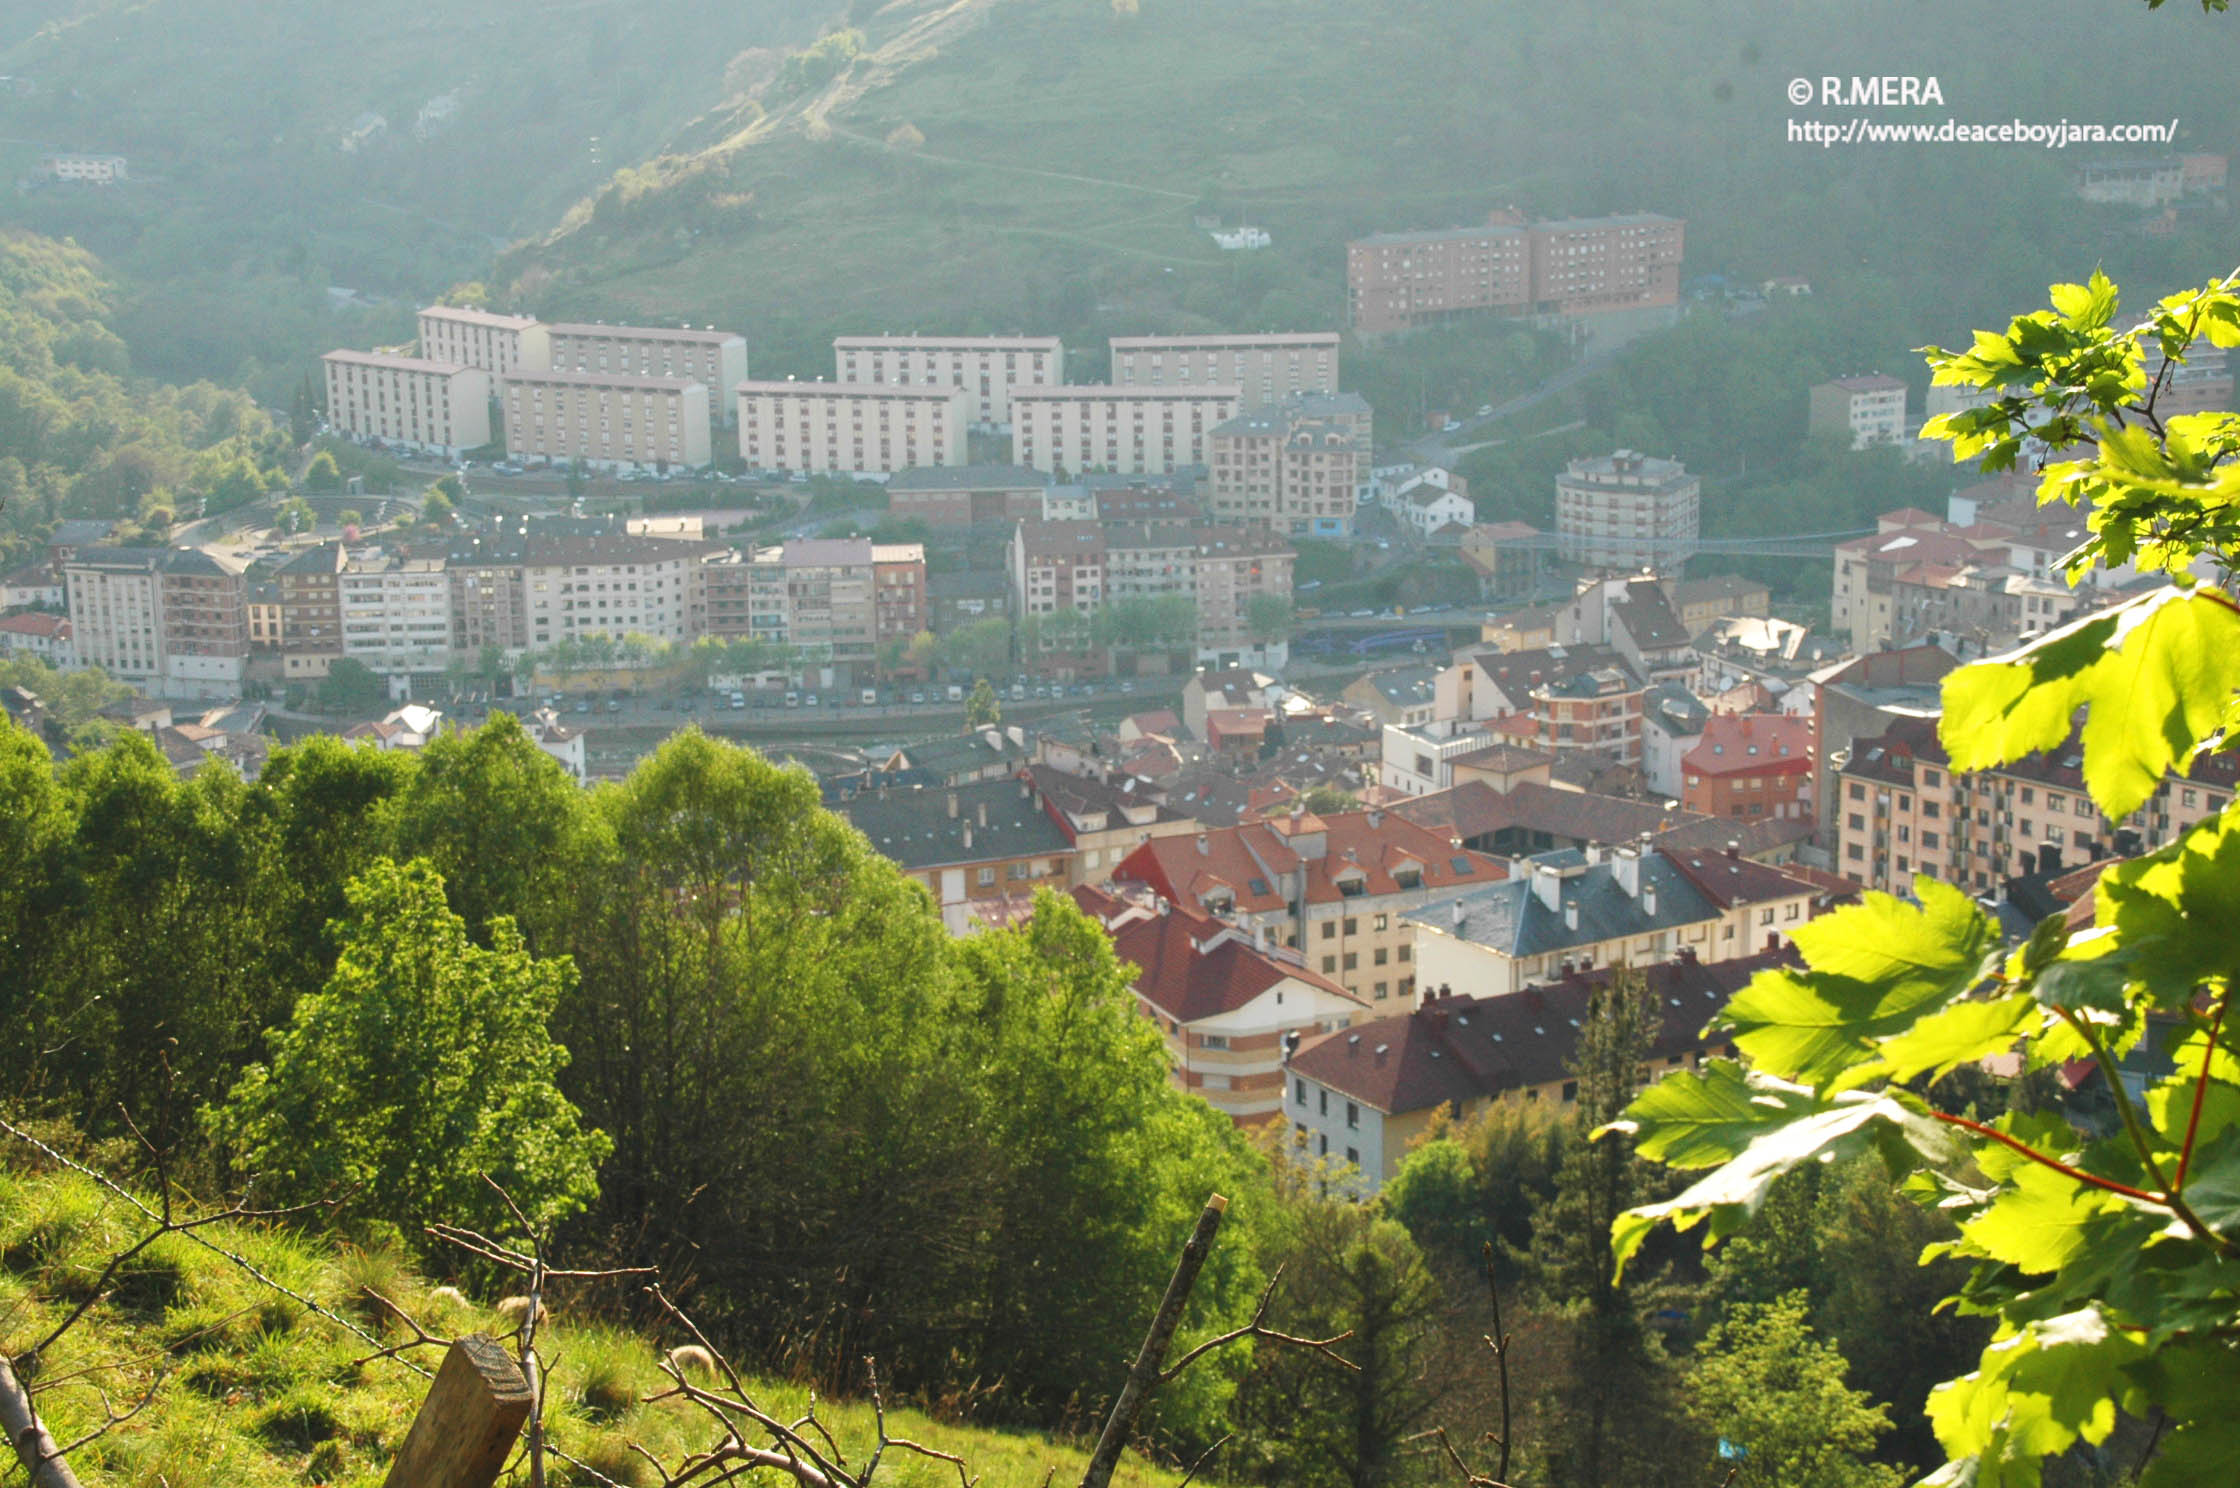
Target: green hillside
[(259, 178), (253, 1389), (1067, 148)]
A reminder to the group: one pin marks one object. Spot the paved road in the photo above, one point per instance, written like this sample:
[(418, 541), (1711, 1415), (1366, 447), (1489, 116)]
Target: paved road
[(1438, 448)]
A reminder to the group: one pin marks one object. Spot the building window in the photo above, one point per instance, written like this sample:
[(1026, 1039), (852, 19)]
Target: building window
[(1322, 1102), (987, 878), (1353, 1157), (1213, 1041), (1353, 926), (1329, 930), (1353, 959), (1299, 1092), (1353, 1116), (1571, 1090)]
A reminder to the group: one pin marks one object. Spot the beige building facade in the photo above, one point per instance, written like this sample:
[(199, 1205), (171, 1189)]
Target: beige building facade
[(717, 360), (1298, 466), (500, 345), (609, 420), (858, 427), (1265, 369), (990, 368), (439, 407), (1124, 431)]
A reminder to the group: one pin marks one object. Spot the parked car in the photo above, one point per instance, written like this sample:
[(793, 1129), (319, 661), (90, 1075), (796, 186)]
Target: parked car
[(738, 700), (793, 700), (871, 697), (917, 697), (810, 701), (1485, 410), (956, 693)]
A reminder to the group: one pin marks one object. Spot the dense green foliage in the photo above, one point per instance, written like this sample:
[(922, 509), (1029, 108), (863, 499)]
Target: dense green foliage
[(843, 1132), (422, 1067), (81, 436), (2104, 1256)]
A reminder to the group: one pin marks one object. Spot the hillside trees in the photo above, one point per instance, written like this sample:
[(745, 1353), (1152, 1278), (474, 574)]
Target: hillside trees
[(422, 1065)]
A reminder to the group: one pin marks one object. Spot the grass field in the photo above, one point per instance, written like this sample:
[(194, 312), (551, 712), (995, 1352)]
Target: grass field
[(253, 1390)]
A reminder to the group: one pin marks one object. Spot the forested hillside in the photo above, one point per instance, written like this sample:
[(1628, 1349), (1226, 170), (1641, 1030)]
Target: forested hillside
[(388, 150), (82, 435), (1006, 163)]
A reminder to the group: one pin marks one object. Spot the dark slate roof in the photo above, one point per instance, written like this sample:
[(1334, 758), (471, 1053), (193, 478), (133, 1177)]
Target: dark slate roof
[(1509, 918), (913, 826), (1461, 1048), (1404, 687), (1514, 672)]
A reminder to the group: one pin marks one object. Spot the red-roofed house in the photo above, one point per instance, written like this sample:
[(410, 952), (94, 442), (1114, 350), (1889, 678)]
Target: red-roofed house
[(1223, 1003), (35, 634), (1750, 764), (1332, 887), (1238, 730)]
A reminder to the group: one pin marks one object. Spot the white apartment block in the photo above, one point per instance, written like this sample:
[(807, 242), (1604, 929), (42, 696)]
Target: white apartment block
[(858, 427), (715, 359), (396, 613), (1871, 410), (1264, 369), (612, 586), (498, 344), (1126, 431), (609, 420), (116, 619), (990, 368), (439, 407)]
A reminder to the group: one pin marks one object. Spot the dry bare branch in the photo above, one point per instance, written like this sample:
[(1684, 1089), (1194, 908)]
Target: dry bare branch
[(1258, 1329)]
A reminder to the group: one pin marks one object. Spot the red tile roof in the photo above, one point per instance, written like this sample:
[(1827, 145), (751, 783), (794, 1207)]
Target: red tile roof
[(1192, 966), (1254, 862), (1752, 744)]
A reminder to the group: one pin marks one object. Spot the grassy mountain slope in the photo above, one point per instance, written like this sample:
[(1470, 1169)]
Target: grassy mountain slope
[(247, 199), (1067, 147), (254, 1390)]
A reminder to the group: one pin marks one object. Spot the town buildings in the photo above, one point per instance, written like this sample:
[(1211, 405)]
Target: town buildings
[(1123, 430), (1365, 1093), (1865, 410), (967, 496), (607, 420), (717, 360), (1752, 764), (1576, 267), (1334, 888), (1265, 369), (974, 846), (1227, 1004), (44, 636), (1569, 911), (1900, 809), (499, 345), (1627, 511), (853, 427), (85, 170), (173, 620), (613, 585), (396, 612), (437, 407), (309, 597), (989, 368), (1299, 466)]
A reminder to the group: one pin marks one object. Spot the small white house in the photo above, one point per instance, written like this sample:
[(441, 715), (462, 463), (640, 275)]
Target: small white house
[(1241, 239)]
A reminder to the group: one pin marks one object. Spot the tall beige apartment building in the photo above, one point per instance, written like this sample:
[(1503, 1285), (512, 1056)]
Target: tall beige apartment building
[(1625, 510), (609, 420), (441, 407), (990, 368), (1126, 431), (1264, 369), (862, 427), (1298, 466), (498, 344), (175, 620), (715, 359)]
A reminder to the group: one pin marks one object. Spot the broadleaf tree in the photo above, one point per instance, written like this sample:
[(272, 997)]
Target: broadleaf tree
[(2109, 1265)]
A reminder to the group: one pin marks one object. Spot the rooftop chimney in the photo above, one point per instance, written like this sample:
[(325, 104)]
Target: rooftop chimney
[(1547, 886), (981, 809), (952, 805), (1571, 915), (968, 836), (1625, 864), (1734, 849), (1649, 899), (1202, 847)]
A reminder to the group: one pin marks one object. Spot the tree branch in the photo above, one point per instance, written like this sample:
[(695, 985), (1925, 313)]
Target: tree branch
[(2200, 1092), (1258, 1329)]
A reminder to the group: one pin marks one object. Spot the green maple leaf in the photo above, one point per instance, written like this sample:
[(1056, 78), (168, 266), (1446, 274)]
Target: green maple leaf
[(2153, 675)]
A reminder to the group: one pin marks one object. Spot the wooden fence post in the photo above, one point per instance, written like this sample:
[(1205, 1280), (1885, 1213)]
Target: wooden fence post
[(467, 1425)]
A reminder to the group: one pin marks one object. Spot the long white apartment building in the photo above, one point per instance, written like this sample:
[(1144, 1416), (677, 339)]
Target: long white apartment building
[(174, 620), (990, 368), (1264, 369), (396, 612), (863, 428), (441, 407), (609, 420), (715, 359), (1125, 431), (497, 344)]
